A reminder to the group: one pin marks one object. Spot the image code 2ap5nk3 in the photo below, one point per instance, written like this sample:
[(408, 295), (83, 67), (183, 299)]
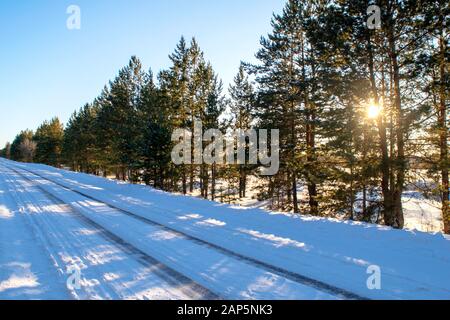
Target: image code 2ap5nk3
[(226, 310)]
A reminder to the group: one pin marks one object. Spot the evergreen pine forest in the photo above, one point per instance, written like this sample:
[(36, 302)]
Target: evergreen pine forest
[(362, 113)]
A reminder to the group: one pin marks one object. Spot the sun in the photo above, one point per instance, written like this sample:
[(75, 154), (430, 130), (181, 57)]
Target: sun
[(373, 111)]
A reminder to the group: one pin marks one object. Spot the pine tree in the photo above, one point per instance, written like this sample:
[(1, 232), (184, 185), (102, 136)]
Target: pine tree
[(6, 151), (104, 131), (156, 144), (122, 118), (432, 66), (175, 86), (23, 148), (49, 139), (444, 85), (70, 150), (289, 101), (213, 105), (79, 146), (242, 103), (192, 91), (347, 135)]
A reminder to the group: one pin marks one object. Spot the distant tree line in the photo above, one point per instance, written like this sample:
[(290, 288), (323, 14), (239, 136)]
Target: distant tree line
[(42, 146), (362, 114)]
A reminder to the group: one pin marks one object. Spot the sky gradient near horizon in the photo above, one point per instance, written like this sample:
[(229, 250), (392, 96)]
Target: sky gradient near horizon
[(48, 70)]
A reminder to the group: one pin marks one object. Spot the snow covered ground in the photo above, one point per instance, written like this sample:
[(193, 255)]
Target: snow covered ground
[(420, 213), (134, 242)]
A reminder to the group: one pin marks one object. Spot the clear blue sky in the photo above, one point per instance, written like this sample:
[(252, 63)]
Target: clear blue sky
[(47, 70)]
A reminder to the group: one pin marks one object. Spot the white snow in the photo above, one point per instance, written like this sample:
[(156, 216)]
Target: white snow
[(420, 213), (414, 265), (5, 213)]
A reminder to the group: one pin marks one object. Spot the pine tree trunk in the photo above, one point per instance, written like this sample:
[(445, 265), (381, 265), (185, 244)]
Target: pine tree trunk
[(293, 182), (241, 182), (294, 176), (385, 161), (183, 178), (245, 185), (191, 178), (444, 134), (202, 181), (206, 182), (365, 200), (213, 182), (352, 194), (401, 159), (310, 141), (312, 187), (192, 166), (294, 193), (161, 176)]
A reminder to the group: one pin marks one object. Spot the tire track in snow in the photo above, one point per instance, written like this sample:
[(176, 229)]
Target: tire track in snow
[(165, 273), (296, 277)]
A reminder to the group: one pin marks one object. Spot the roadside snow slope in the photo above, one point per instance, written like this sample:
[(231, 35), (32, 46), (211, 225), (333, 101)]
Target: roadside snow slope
[(413, 264)]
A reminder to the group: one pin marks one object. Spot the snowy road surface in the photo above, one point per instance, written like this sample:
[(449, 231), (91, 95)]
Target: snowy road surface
[(126, 241)]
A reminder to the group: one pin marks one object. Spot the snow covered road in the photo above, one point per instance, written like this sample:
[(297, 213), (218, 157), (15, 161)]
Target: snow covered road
[(109, 268), (106, 245), (133, 242)]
